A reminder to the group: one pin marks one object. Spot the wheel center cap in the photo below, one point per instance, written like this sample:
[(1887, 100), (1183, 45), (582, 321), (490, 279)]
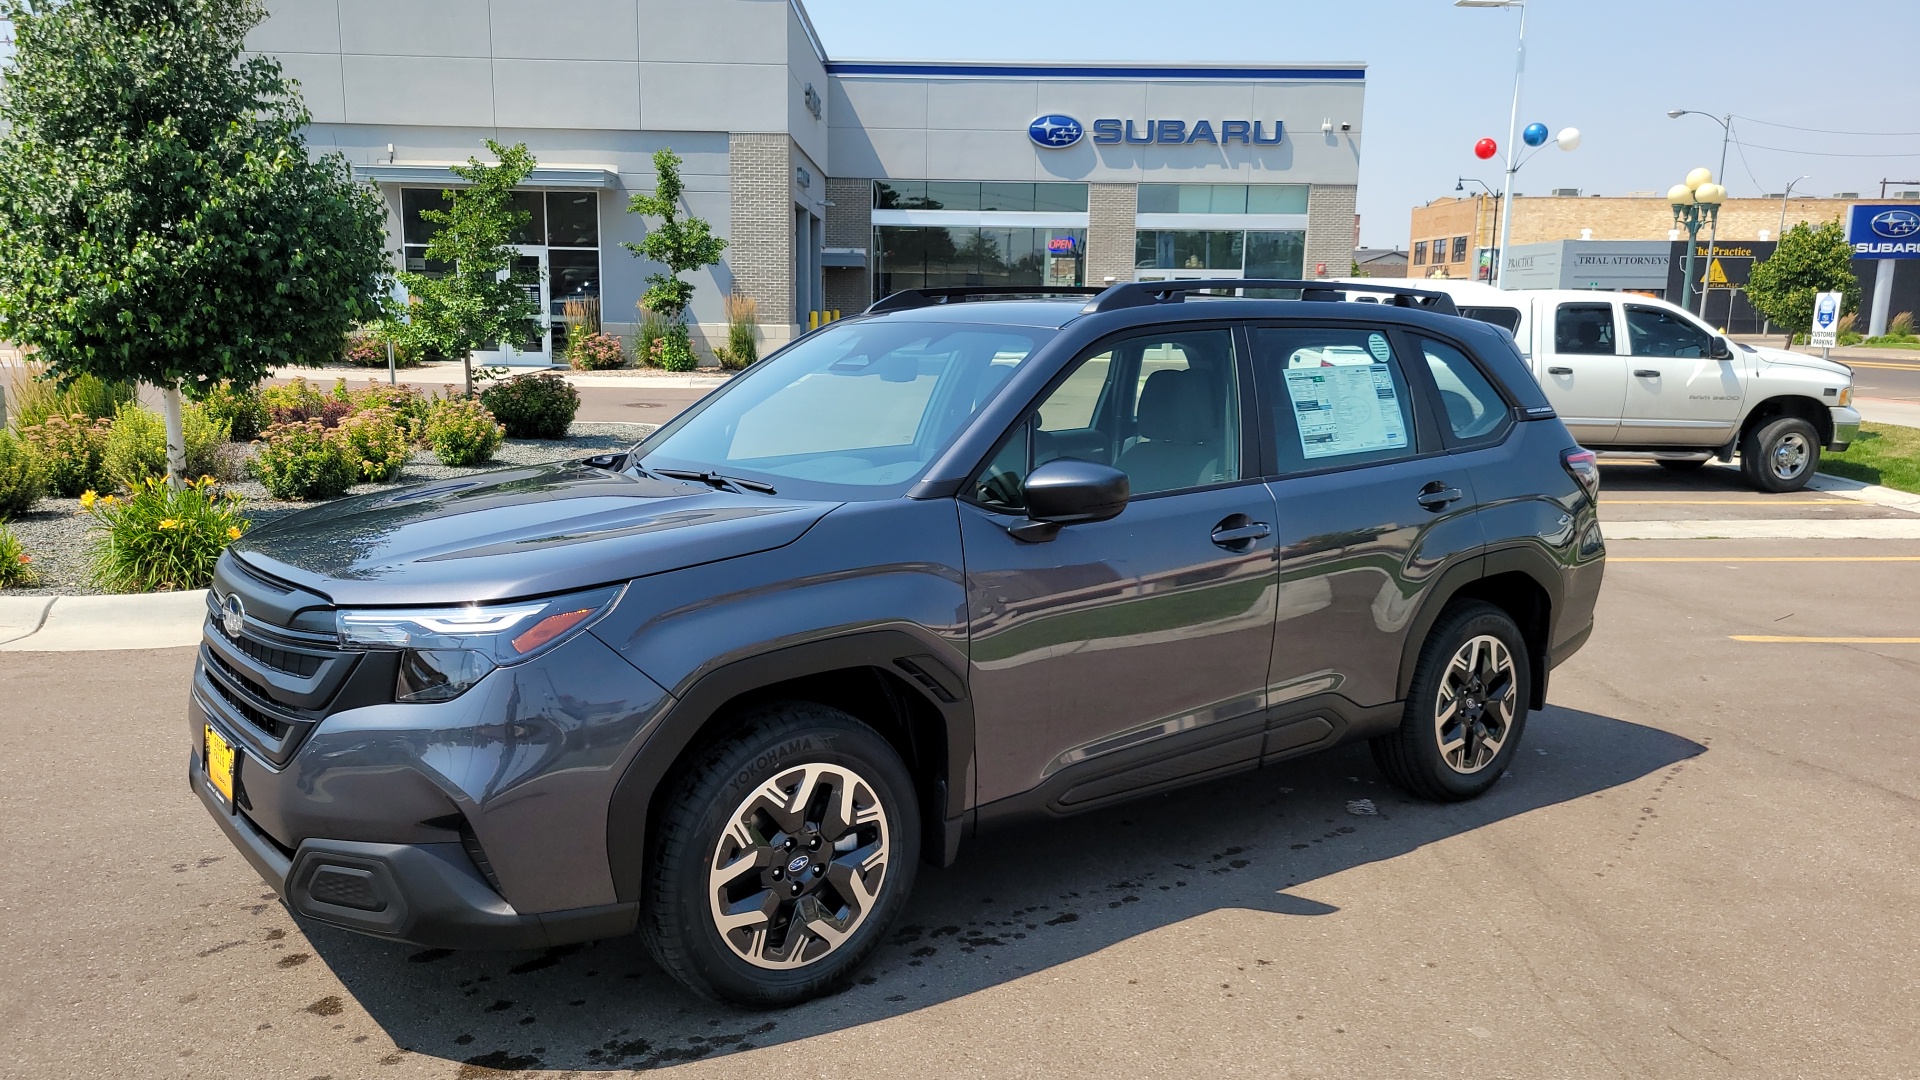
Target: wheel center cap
[(797, 867)]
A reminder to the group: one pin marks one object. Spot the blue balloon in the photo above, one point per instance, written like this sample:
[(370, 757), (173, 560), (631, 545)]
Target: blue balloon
[(1535, 134)]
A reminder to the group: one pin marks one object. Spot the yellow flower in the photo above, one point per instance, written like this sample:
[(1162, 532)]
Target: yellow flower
[(169, 523), (109, 500), (88, 498), (233, 532)]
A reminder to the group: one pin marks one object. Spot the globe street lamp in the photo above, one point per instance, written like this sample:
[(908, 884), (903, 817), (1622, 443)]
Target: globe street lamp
[(1713, 233), (1695, 203)]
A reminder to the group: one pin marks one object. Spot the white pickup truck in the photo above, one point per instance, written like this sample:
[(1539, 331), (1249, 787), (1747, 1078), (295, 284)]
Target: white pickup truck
[(1629, 373)]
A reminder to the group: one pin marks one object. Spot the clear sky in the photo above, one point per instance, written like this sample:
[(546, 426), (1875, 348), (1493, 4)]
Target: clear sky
[(1440, 77)]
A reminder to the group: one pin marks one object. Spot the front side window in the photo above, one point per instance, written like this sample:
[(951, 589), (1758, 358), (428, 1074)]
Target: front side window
[(1584, 329), (1339, 397), (1162, 408), (858, 408), (1655, 331), (1473, 407)]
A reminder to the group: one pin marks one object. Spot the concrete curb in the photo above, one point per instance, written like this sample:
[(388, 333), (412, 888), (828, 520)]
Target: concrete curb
[(432, 377), (101, 623)]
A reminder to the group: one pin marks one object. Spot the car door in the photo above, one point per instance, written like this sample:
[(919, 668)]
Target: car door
[(1678, 392), (1132, 651), (1582, 368), (1369, 507)]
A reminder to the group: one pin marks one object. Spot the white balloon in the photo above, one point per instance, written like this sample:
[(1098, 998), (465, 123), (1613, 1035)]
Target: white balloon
[(1569, 138), (1680, 195), (1698, 177)]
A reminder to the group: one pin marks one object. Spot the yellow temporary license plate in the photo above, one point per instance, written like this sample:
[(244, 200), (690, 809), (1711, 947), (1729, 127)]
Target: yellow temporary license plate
[(219, 758)]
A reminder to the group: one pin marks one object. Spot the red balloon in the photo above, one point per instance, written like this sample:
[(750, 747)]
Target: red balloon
[(1485, 149)]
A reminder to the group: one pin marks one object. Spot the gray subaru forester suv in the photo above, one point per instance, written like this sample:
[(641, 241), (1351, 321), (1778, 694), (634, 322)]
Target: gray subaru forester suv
[(963, 559)]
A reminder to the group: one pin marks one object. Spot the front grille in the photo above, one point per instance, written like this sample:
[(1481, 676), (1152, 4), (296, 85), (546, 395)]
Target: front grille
[(270, 725), (299, 665)]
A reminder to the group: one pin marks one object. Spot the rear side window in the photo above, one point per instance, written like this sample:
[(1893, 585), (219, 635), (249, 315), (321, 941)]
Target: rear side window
[(1338, 397), (1583, 329), (1472, 406), (1505, 318), (1653, 331)]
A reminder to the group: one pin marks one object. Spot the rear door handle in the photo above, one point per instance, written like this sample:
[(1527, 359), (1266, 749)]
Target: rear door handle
[(1559, 371), (1645, 373), (1436, 498), (1241, 534)]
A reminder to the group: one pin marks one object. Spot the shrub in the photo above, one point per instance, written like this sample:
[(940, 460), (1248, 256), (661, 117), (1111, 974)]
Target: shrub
[(162, 539), (136, 447), (303, 460), (649, 341), (408, 405), (741, 350), (534, 406), (462, 432), (375, 442), (1902, 325), (367, 347), (73, 450), (32, 398), (676, 349), (239, 407), (299, 401), (590, 350), (22, 478), (16, 566)]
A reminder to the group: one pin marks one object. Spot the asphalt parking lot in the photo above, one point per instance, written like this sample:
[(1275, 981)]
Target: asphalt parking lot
[(1703, 863)]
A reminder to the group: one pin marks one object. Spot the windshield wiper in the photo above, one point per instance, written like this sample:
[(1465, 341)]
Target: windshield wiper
[(724, 483)]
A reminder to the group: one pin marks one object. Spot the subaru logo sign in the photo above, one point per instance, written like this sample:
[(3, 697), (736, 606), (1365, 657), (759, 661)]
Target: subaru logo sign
[(1895, 224), (1055, 131), (1826, 313), (797, 865)]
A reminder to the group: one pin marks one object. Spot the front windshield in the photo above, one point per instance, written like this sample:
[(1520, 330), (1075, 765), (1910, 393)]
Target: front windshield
[(861, 405)]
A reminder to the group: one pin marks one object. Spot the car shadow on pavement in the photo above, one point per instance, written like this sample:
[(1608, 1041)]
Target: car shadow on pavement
[(1019, 901)]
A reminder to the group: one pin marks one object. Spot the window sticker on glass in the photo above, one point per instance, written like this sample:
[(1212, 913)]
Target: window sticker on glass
[(1378, 344), (1346, 410)]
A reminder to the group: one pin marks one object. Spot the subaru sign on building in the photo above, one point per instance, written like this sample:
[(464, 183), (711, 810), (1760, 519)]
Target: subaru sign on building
[(834, 182), (1879, 231)]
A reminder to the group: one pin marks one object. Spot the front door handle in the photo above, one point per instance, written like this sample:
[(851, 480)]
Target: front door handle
[(1437, 498), (1645, 373), (1232, 536), (1559, 371)]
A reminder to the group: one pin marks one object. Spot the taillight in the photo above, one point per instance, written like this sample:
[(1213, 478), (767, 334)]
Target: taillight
[(1583, 465)]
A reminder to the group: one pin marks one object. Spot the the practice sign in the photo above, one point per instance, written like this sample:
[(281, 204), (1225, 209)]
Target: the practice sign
[(1882, 231)]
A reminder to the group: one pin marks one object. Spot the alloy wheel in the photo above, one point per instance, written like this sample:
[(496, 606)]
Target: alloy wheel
[(799, 866), (1790, 456), (1474, 708)]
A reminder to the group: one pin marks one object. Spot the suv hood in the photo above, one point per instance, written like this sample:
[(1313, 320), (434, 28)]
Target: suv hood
[(516, 532), (1802, 360)]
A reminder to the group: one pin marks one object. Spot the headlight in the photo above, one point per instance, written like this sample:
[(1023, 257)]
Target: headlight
[(1846, 395), (445, 650)]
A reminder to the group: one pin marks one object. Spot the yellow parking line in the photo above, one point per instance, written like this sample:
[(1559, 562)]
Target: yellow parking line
[(1768, 640), (1725, 502), (1764, 558), (1882, 365)]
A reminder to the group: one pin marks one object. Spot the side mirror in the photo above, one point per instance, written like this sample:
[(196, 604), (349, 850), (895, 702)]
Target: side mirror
[(1720, 350), (1067, 491)]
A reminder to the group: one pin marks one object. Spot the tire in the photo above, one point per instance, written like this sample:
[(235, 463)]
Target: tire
[(733, 803), (1780, 455), (1681, 465), (1434, 755)]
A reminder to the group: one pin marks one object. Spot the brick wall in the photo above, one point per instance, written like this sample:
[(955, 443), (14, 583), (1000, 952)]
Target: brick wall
[(1110, 215), (760, 247), (849, 225), (1330, 229), (1542, 218)]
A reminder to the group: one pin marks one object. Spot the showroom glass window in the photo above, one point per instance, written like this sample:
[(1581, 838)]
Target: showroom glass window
[(565, 223), (965, 232)]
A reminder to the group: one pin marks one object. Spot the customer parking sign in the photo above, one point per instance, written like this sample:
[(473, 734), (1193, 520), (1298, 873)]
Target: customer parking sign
[(1826, 320)]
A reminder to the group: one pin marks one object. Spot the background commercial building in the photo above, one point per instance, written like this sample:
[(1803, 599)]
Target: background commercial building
[(833, 181)]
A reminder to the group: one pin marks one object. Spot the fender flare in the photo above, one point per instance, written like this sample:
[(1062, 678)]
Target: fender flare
[(1526, 559), (940, 688)]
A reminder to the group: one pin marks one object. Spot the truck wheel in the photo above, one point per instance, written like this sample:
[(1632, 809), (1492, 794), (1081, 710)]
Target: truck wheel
[(1780, 455), (1466, 709), (781, 857)]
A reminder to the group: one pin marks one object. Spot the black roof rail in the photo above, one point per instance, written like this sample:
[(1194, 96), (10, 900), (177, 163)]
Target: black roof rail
[(1141, 293), (907, 299)]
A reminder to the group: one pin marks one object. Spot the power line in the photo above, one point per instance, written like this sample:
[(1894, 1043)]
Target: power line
[(1826, 153), (1830, 131)]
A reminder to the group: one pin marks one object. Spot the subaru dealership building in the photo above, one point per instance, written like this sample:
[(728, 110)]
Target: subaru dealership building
[(834, 181)]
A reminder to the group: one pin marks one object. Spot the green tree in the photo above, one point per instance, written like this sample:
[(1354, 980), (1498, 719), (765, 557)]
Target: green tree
[(479, 297), (679, 244), (1808, 261), (161, 219)]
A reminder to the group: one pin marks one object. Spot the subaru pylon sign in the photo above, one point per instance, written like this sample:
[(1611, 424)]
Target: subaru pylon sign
[(1055, 131), (1879, 231)]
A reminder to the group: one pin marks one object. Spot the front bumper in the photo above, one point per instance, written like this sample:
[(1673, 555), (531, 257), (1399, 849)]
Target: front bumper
[(1846, 426)]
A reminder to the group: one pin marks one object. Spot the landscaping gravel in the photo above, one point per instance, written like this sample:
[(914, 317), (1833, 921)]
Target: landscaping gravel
[(55, 531)]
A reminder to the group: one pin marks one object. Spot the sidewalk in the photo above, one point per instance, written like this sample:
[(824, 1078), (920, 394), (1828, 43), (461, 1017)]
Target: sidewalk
[(434, 376), (1888, 411)]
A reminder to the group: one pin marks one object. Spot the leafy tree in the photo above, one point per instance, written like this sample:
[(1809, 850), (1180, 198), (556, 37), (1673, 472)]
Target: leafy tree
[(1807, 261), (479, 298), (679, 244), (161, 219)]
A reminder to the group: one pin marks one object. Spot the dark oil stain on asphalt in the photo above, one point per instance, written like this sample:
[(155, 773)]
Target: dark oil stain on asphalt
[(331, 1005), (546, 959), (293, 960), (428, 956)]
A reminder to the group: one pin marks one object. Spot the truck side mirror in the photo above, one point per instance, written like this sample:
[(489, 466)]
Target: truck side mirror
[(1720, 350)]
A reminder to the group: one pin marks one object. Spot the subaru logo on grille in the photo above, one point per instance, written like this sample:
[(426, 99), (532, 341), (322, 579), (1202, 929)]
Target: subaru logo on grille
[(1896, 224), (233, 616), (1055, 131), (797, 865)]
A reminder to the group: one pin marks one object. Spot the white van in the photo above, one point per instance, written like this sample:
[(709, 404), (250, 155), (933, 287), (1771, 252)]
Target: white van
[(1629, 373)]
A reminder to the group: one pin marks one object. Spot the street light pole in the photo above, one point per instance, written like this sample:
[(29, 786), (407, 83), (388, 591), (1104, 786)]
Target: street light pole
[(1782, 230), (1479, 201), (1513, 134), (1713, 231), (1695, 203)]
